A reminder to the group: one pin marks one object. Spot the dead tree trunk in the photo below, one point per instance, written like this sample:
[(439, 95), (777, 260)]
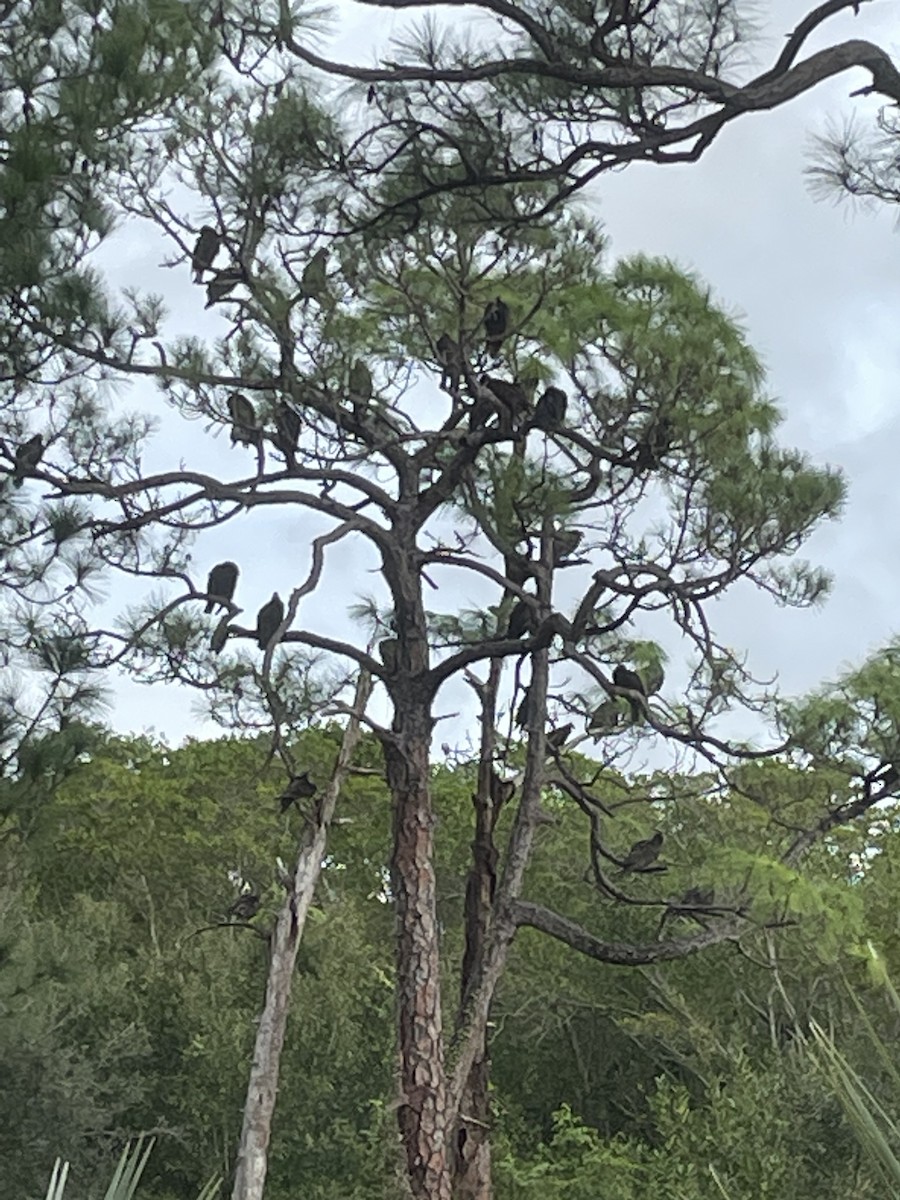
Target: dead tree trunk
[(262, 1088)]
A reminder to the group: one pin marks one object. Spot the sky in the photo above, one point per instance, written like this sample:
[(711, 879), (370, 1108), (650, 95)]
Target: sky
[(815, 284)]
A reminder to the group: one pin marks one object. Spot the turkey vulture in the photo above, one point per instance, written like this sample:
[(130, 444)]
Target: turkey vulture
[(314, 280), (557, 738), (496, 320), (223, 284), (26, 458), (550, 410), (642, 854), (220, 636), (287, 431), (268, 620), (243, 420), (206, 248), (360, 381), (522, 620), (625, 678), (563, 544), (245, 907), (221, 584), (450, 358), (300, 787)]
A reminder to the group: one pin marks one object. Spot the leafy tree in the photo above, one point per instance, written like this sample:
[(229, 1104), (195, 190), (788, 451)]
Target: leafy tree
[(451, 381)]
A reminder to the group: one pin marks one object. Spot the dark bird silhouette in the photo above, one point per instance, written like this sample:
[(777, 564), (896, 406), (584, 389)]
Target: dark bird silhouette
[(502, 790), (510, 397), (245, 907), (605, 718), (206, 248), (26, 458), (522, 620), (220, 636), (523, 712), (314, 280), (223, 284), (623, 677), (268, 619), (642, 854), (387, 649), (496, 322), (450, 358), (221, 584), (300, 787), (653, 445), (360, 381), (557, 738), (550, 410), (563, 544), (287, 431), (243, 420)]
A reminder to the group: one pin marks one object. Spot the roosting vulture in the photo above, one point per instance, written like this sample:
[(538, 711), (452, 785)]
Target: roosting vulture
[(287, 431), (26, 458), (643, 854), (300, 787), (496, 321), (523, 712), (550, 410), (221, 584), (502, 790), (510, 396), (243, 420), (522, 620), (360, 381), (623, 677), (220, 636), (245, 907), (654, 444), (206, 248), (563, 544), (605, 718), (314, 280), (557, 738), (268, 619), (223, 284), (450, 357)]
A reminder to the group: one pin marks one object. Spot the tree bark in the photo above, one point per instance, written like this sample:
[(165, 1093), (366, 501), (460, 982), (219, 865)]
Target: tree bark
[(262, 1087), (422, 1113)]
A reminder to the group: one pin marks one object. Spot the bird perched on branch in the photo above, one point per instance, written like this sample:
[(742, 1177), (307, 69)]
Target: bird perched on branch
[(523, 712), (300, 787), (314, 280), (510, 397), (220, 636), (243, 420), (522, 620), (268, 619), (245, 907), (605, 718), (496, 322), (221, 584), (557, 738), (26, 458), (359, 381), (502, 790), (449, 355), (642, 854), (623, 677), (223, 284), (653, 445), (287, 431), (563, 545), (550, 410), (206, 247)]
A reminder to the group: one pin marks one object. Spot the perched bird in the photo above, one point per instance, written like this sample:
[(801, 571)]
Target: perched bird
[(557, 738), (206, 247), (653, 679), (450, 358), (223, 284), (387, 649), (481, 412), (243, 420), (563, 545), (522, 620), (245, 907), (502, 790), (287, 431), (605, 718), (268, 620), (623, 677), (220, 636), (510, 397), (550, 410), (496, 321), (221, 584), (300, 787), (360, 380), (26, 458), (653, 445), (642, 854), (523, 712), (314, 280)]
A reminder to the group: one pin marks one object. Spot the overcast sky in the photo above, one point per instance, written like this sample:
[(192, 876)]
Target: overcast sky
[(817, 287)]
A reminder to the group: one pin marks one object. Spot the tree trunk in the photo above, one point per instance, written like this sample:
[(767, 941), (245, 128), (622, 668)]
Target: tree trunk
[(422, 1113), (262, 1088)]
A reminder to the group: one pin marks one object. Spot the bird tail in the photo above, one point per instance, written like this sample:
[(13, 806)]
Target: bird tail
[(494, 346), (210, 605)]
